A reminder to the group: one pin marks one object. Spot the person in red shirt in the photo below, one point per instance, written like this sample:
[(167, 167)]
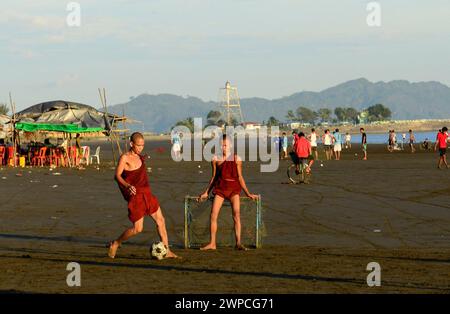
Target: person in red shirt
[(303, 151), (441, 142)]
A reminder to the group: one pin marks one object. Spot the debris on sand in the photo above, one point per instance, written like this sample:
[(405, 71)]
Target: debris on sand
[(56, 173), (19, 174), (377, 230), (54, 186), (4, 178)]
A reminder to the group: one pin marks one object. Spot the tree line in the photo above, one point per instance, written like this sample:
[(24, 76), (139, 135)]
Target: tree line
[(377, 112)]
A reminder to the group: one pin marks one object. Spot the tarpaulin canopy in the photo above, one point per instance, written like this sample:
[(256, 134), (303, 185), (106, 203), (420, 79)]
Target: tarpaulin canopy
[(63, 116), (67, 128)]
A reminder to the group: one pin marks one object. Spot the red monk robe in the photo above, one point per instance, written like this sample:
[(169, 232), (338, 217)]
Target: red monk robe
[(143, 202)]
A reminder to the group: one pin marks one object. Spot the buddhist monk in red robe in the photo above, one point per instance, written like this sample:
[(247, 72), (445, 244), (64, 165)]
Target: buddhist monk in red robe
[(131, 175), (226, 183)]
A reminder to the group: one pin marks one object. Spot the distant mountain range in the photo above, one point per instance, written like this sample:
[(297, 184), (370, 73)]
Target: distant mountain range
[(423, 100)]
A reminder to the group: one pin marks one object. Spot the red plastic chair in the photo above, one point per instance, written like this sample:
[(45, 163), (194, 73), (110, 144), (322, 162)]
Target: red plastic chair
[(53, 158), (41, 158), (58, 157), (73, 155), (11, 156), (2, 155)]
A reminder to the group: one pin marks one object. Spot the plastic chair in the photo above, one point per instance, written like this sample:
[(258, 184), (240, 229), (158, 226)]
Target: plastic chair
[(57, 157), (11, 156), (96, 155), (85, 155), (73, 155), (2, 155), (40, 158)]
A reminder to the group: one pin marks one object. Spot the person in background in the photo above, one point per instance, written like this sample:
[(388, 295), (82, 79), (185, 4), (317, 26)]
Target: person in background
[(313, 140), (412, 139), (348, 139), (441, 143), (363, 142), (337, 148), (284, 144), (327, 140)]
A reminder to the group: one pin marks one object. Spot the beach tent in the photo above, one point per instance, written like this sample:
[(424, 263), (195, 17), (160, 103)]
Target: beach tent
[(63, 116)]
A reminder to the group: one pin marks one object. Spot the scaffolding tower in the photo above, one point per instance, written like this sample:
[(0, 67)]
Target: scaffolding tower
[(229, 105)]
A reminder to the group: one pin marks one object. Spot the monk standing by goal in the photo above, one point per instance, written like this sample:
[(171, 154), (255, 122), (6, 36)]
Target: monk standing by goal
[(131, 175), (227, 181)]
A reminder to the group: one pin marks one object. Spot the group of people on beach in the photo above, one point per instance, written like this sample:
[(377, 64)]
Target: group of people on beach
[(333, 143), (393, 142), (227, 180)]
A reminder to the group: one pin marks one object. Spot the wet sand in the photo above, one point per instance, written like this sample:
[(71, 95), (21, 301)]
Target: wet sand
[(393, 209)]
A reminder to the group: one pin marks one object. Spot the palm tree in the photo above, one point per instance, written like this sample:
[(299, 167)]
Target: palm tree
[(272, 121), (188, 122), (291, 116), (324, 114), (213, 117)]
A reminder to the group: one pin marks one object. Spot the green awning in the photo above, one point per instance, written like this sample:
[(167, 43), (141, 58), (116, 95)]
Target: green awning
[(67, 128)]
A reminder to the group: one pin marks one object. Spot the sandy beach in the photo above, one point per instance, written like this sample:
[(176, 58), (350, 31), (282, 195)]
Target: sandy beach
[(393, 209)]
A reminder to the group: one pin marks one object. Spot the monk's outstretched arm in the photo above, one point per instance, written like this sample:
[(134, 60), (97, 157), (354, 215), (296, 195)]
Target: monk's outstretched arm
[(242, 181)]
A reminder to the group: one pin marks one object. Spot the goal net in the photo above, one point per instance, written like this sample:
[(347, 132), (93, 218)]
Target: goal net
[(197, 223)]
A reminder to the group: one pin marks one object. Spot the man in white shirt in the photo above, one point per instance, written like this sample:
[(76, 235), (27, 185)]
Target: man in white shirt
[(327, 141), (313, 139)]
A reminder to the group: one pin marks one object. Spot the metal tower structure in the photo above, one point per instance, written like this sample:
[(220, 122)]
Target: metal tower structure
[(229, 105)]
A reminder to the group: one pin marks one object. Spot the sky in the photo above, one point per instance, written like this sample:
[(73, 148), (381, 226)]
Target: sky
[(267, 48)]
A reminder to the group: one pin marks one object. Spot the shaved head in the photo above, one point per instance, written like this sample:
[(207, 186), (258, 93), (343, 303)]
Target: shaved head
[(135, 136)]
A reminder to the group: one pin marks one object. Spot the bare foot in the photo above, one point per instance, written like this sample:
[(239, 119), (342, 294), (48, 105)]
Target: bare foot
[(113, 246), (240, 247), (171, 254), (208, 247)]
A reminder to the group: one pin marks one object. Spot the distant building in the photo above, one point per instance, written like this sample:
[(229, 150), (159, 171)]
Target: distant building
[(294, 125), (297, 125), (252, 125)]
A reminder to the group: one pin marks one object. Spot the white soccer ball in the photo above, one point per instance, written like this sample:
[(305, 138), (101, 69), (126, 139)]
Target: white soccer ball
[(158, 250)]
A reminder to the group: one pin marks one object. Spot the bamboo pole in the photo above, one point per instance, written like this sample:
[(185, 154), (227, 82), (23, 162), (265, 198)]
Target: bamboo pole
[(103, 100), (125, 133), (115, 137), (66, 135), (13, 128)]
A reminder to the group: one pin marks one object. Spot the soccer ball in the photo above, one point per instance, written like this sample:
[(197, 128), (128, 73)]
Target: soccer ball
[(158, 250)]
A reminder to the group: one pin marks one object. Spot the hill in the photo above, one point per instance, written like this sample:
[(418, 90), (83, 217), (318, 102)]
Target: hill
[(421, 100)]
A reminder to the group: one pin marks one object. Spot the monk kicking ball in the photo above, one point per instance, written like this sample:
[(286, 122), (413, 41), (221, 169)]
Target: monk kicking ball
[(132, 178)]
